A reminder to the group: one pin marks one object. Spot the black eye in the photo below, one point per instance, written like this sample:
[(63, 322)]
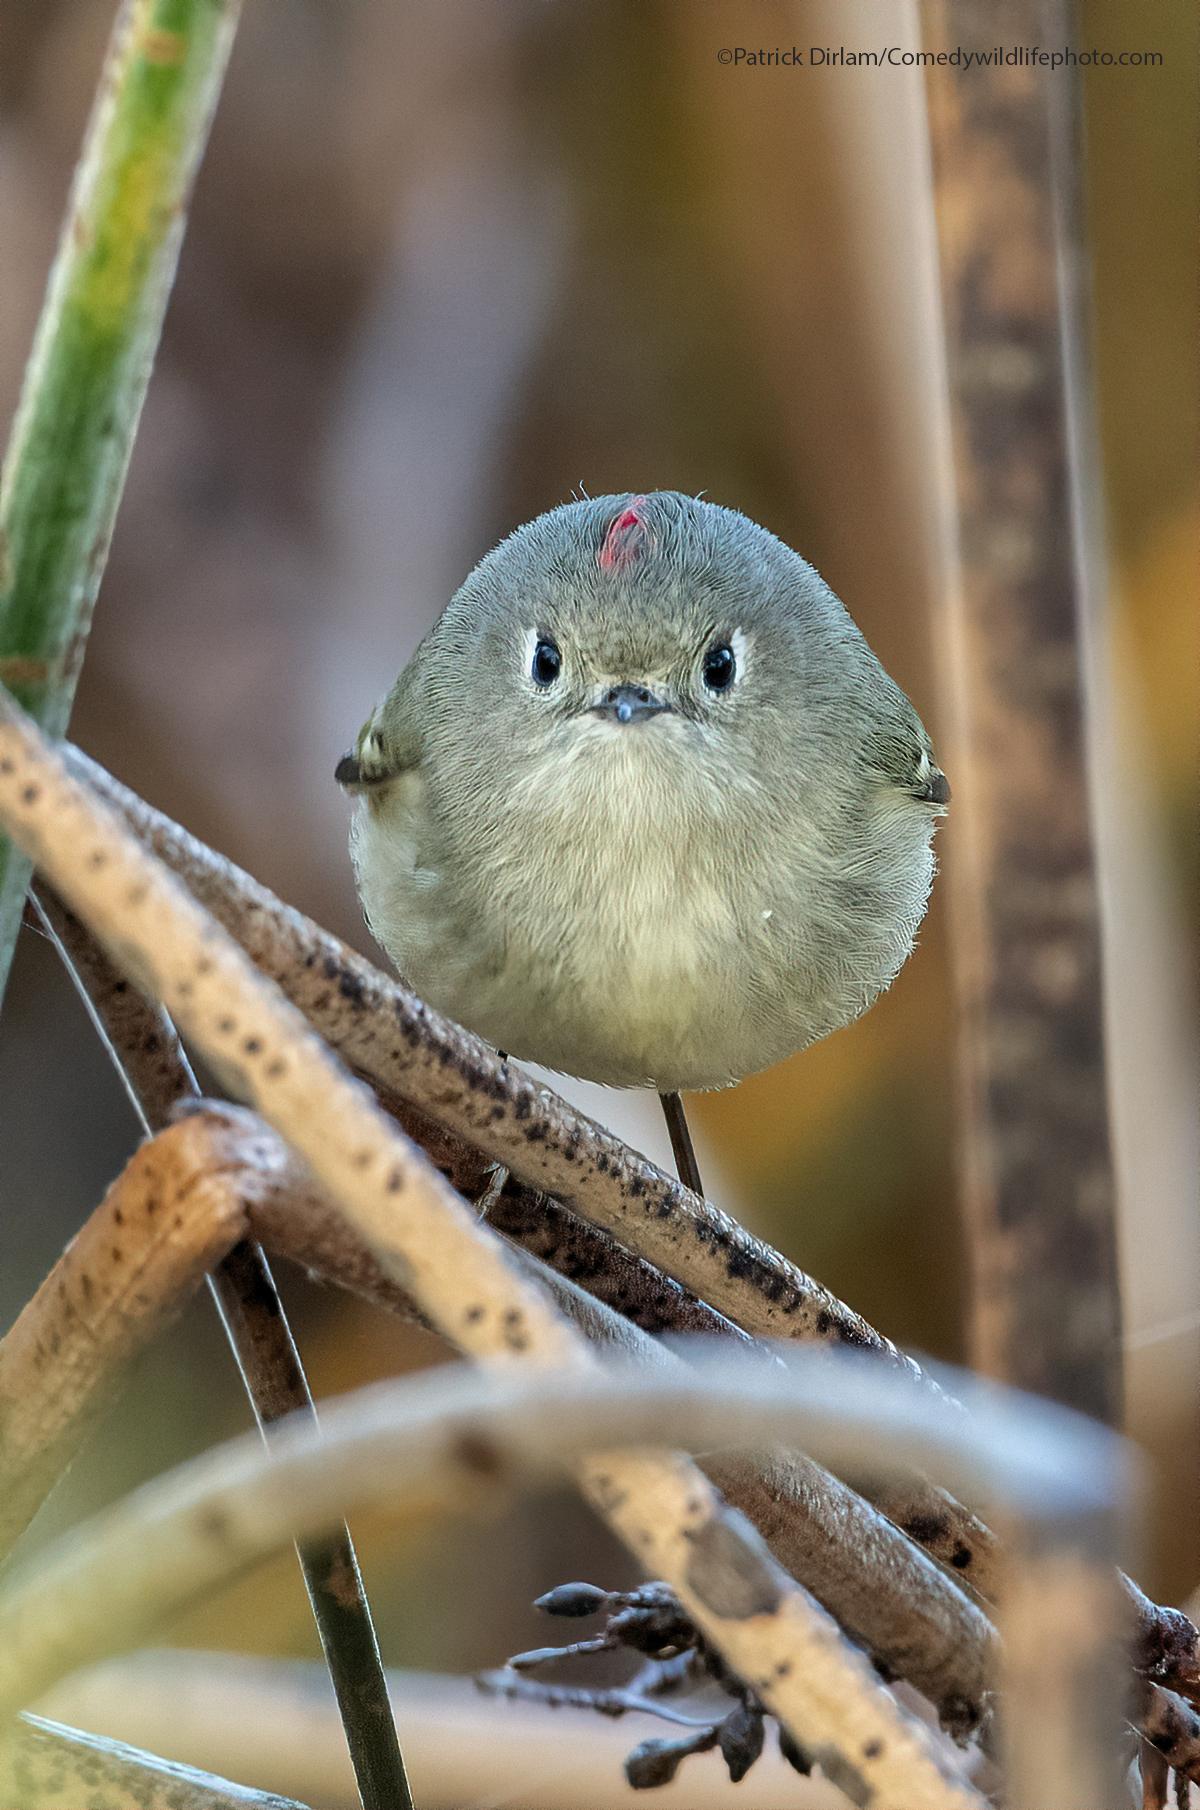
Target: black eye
[(720, 667), (547, 662)]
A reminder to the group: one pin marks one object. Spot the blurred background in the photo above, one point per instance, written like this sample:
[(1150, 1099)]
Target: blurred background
[(448, 261)]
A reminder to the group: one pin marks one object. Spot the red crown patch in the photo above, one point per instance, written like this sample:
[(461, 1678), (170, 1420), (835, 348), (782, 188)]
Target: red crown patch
[(628, 538)]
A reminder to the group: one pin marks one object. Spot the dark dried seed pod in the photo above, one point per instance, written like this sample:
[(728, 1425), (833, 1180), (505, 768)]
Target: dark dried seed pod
[(740, 1737), (656, 1762), (573, 1599)]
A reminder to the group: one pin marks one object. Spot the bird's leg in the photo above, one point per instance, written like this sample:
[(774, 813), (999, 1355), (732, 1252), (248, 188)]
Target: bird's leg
[(686, 1166)]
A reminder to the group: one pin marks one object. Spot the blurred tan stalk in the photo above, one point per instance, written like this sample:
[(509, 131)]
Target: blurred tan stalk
[(1039, 1189), (44, 1766), (270, 1720)]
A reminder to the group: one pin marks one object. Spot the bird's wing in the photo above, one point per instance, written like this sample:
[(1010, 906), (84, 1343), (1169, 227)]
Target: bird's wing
[(389, 742), (900, 751)]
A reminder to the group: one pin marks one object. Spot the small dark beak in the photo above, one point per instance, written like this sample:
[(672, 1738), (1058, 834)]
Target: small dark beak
[(938, 789), (629, 704)]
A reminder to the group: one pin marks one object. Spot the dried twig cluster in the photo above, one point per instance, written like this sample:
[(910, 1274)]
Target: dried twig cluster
[(675, 1657)]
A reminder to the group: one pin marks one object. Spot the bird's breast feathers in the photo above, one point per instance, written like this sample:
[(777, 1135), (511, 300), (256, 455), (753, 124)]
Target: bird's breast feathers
[(613, 935)]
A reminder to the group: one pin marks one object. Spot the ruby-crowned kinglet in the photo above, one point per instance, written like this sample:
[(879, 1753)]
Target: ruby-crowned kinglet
[(644, 807)]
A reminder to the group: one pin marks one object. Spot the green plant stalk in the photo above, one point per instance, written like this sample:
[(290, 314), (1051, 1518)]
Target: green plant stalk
[(87, 374)]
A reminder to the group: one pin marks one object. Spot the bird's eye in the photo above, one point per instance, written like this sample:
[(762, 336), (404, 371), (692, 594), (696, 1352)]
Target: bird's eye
[(547, 661), (720, 667)]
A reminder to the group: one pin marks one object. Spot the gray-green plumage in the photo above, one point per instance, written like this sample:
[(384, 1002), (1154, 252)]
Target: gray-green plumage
[(678, 899)]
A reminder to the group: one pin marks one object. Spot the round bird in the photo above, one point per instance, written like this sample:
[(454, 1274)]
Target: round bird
[(644, 807)]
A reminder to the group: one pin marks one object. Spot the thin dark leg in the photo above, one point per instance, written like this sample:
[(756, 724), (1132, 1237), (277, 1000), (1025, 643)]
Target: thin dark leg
[(686, 1166)]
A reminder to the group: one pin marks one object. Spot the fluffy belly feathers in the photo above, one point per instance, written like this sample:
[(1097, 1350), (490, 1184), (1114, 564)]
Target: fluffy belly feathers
[(608, 959), (610, 966)]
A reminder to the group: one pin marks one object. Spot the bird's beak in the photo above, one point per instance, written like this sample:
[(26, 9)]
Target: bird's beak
[(629, 704), (939, 787)]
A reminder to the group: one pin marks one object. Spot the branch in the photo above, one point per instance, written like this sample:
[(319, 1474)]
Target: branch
[(770, 1631), (582, 1252), (44, 1765), (90, 364), (915, 1623)]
